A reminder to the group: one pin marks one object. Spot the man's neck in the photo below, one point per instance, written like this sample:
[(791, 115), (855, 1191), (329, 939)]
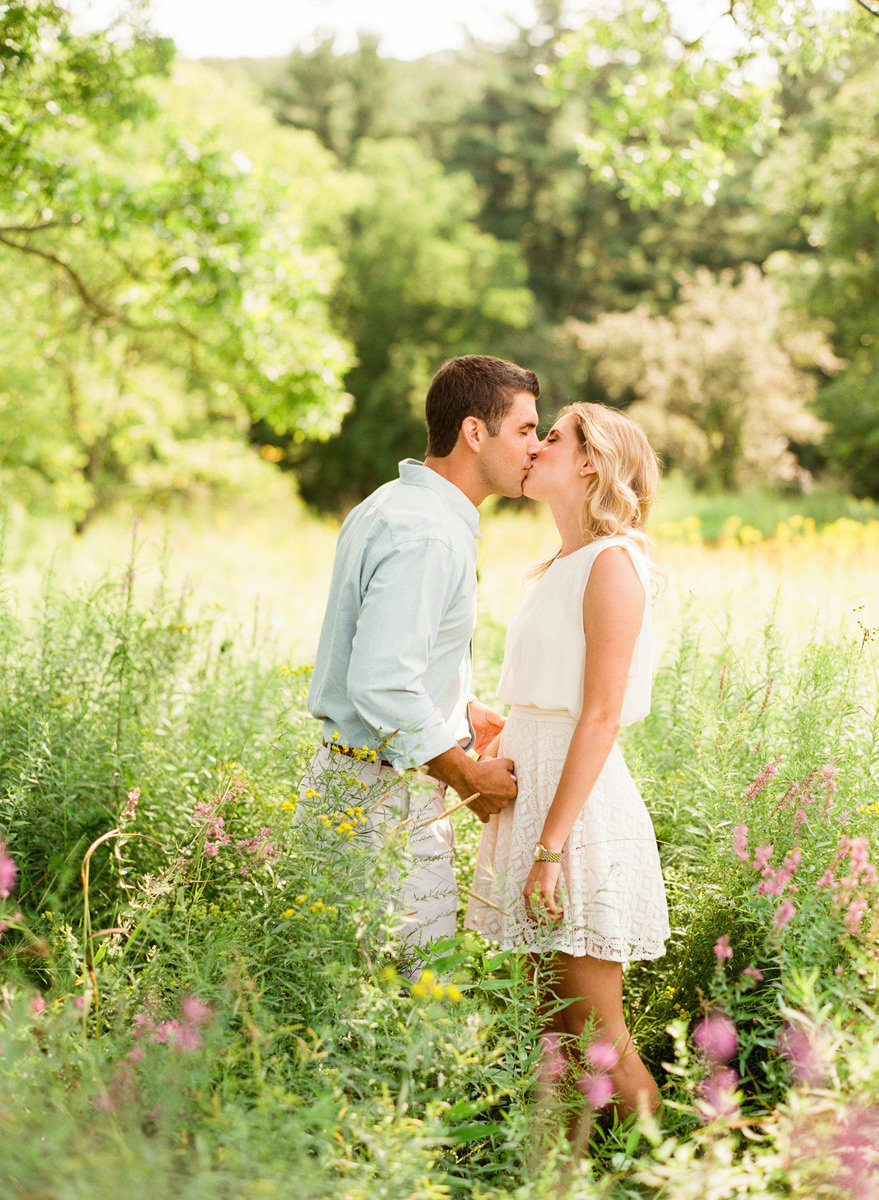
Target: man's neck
[(460, 474)]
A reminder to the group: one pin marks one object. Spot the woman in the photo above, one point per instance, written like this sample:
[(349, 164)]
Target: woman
[(570, 872)]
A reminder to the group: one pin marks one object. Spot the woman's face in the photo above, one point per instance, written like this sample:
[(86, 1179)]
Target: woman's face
[(559, 468)]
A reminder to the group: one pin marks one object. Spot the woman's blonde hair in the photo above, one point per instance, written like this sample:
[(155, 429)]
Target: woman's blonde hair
[(621, 492)]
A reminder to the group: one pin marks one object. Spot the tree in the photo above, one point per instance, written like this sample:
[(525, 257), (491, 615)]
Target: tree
[(672, 123), (421, 283), (722, 385), (155, 261)]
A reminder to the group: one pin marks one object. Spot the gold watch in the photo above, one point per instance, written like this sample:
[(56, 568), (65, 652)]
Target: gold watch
[(541, 854)]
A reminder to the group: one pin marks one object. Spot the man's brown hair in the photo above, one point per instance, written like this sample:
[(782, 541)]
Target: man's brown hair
[(474, 385)]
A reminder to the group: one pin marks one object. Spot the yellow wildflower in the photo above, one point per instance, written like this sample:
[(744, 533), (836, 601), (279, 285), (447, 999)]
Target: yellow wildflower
[(453, 993)]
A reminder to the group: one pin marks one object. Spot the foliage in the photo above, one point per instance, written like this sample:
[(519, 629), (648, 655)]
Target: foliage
[(720, 385), (421, 283), (156, 262)]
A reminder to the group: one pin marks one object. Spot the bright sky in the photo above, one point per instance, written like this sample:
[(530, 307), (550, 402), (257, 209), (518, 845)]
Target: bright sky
[(261, 28)]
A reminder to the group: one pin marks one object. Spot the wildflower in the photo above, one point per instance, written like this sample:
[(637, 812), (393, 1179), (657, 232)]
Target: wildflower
[(855, 914), (553, 1063), (804, 1055), (783, 914), (453, 993), (38, 1005), (8, 872), (603, 1055), (437, 991), (722, 948), (754, 973), (131, 807), (418, 990), (136, 1054), (194, 1010), (718, 1092), (761, 779), (740, 842), (79, 1003), (716, 1037), (762, 855), (388, 974), (288, 913), (597, 1088)]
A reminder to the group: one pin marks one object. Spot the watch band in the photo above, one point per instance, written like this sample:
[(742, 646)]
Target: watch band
[(541, 854)]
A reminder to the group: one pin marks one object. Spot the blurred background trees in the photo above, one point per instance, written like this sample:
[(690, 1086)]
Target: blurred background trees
[(217, 270)]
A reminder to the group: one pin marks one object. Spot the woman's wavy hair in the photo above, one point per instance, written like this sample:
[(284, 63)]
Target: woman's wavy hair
[(620, 494)]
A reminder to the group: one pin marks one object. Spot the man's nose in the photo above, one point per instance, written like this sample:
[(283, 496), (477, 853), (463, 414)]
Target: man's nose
[(536, 446)]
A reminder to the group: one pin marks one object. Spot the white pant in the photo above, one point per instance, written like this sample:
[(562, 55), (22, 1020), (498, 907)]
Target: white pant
[(426, 898)]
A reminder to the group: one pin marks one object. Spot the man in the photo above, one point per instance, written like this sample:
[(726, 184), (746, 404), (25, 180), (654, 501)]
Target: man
[(393, 665)]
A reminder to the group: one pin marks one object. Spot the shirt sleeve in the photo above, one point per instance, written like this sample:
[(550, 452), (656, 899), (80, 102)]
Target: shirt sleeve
[(405, 599)]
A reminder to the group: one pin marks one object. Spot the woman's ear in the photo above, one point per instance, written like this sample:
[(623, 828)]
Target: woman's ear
[(587, 468)]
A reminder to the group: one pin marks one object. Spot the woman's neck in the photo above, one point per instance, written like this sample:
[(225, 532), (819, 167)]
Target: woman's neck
[(567, 522)]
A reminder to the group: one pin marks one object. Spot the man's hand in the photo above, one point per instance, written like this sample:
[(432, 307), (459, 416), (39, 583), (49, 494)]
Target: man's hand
[(487, 725), (495, 781), (492, 782)]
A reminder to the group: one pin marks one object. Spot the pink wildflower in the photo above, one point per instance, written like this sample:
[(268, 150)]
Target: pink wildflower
[(603, 1055), (718, 1092), (827, 880), (761, 779), (754, 973), (740, 841), (597, 1088), (762, 855), (855, 914), (800, 818), (130, 810), (722, 948), (553, 1063), (807, 1063), (136, 1054), (38, 1005), (8, 872), (783, 914), (716, 1037), (194, 1011), (79, 1003)]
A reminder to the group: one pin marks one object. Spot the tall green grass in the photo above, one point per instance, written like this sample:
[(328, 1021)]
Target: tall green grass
[(217, 1009)]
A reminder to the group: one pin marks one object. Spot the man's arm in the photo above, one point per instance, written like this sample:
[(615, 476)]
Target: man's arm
[(405, 600)]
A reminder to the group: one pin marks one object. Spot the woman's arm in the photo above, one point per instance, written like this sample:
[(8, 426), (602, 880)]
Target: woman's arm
[(613, 607)]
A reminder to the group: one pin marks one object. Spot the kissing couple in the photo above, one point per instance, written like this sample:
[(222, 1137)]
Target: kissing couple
[(568, 871)]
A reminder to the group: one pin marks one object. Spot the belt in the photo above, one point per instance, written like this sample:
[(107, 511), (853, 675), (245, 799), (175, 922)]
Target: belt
[(359, 755)]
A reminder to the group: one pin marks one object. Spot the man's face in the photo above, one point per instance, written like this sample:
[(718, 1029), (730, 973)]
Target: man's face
[(506, 458)]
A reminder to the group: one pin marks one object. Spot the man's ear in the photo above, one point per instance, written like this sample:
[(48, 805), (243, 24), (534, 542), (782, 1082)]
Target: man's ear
[(472, 431)]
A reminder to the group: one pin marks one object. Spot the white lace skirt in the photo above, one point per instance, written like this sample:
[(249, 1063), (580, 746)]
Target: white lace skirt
[(611, 882)]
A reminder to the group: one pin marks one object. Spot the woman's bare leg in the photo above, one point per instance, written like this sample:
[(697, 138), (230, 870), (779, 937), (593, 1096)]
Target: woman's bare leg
[(593, 988)]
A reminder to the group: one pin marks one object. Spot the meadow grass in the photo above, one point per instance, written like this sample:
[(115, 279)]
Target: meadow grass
[(217, 1008)]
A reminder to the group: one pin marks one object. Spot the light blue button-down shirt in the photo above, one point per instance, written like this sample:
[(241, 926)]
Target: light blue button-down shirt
[(393, 661)]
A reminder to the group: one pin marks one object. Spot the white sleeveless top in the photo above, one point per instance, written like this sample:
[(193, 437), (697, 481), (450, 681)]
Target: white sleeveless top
[(545, 652)]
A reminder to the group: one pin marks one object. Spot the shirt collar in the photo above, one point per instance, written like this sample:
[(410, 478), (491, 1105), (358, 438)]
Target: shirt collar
[(414, 472)]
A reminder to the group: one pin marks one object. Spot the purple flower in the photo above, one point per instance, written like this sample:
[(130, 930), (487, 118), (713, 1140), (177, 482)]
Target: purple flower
[(8, 872), (596, 1087), (716, 1037)]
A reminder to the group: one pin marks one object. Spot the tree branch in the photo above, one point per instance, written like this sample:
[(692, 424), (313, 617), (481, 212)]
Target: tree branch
[(29, 228), (874, 12), (82, 291)]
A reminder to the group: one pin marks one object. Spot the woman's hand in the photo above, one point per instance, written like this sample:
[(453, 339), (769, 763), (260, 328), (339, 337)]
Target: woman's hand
[(487, 725), (540, 892)]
